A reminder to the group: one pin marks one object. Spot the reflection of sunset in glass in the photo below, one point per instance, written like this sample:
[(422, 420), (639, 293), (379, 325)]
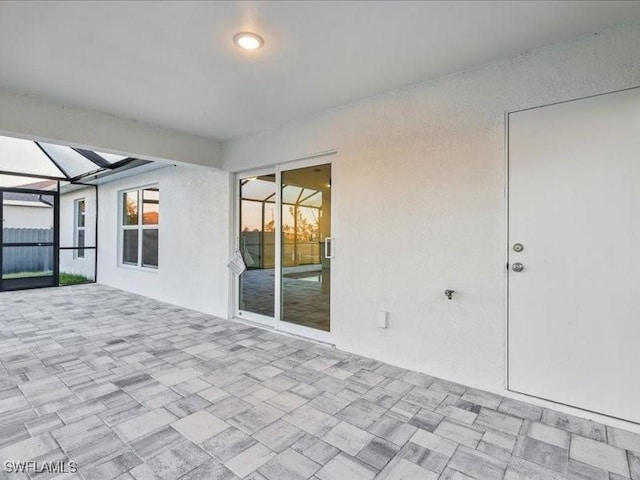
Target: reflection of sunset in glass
[(307, 223), (252, 216), (151, 206), (151, 218), (130, 212)]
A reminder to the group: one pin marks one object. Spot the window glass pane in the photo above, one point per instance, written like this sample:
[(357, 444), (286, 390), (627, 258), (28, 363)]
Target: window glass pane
[(69, 160), (257, 244), (24, 156), (150, 248), (111, 157), (306, 271), (311, 198), (80, 214), (130, 208), (290, 194), (81, 243), (130, 247), (151, 206), (259, 188)]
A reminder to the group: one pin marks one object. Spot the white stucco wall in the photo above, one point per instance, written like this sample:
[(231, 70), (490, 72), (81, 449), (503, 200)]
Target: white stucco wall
[(69, 261), (193, 238), (418, 189)]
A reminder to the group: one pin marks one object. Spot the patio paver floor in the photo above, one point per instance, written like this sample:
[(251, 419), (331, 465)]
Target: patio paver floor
[(132, 388)]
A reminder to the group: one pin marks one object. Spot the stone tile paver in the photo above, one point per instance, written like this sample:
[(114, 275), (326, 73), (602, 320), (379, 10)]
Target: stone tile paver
[(200, 426), (131, 388), (599, 454), (545, 433)]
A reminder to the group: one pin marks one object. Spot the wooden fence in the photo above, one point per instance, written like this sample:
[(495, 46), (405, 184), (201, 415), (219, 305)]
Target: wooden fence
[(27, 259)]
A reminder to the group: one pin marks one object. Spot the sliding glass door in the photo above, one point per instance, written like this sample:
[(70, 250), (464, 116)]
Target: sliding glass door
[(306, 244), (257, 235), (284, 237)]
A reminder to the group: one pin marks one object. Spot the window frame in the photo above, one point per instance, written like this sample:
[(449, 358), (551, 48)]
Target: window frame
[(140, 227), (79, 253)]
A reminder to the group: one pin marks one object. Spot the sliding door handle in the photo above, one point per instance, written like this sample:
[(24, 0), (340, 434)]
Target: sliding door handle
[(328, 241)]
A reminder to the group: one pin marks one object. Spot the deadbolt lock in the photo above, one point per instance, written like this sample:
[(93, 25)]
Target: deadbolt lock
[(518, 247), (517, 267)]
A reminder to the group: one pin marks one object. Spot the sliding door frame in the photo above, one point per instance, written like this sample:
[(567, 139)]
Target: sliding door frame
[(236, 311), (276, 321), (283, 325)]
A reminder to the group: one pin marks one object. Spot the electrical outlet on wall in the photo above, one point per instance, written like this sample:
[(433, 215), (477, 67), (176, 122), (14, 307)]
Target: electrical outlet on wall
[(382, 319)]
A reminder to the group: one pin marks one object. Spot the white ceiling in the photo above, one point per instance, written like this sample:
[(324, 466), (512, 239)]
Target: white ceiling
[(173, 63)]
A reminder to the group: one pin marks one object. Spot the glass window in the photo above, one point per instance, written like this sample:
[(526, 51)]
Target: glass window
[(258, 244), (150, 248), (130, 208), (81, 243), (80, 227), (111, 157), (80, 208), (48, 160), (130, 247), (24, 156), (68, 160), (151, 206), (140, 229)]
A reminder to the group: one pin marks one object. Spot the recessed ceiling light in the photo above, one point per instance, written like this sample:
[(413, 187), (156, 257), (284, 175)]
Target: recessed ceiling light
[(248, 41)]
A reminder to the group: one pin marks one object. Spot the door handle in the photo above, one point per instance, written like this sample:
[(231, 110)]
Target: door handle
[(517, 267), (327, 241)]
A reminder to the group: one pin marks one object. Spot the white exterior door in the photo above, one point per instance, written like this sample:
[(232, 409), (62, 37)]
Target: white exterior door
[(574, 206)]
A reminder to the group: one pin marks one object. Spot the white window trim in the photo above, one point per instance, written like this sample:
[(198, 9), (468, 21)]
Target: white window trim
[(77, 228), (140, 227)]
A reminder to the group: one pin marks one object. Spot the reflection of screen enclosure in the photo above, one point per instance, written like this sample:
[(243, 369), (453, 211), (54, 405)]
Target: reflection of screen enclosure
[(306, 226), (257, 244)]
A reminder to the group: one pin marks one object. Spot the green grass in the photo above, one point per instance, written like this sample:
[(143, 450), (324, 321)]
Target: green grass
[(9, 276), (65, 277), (73, 279)]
